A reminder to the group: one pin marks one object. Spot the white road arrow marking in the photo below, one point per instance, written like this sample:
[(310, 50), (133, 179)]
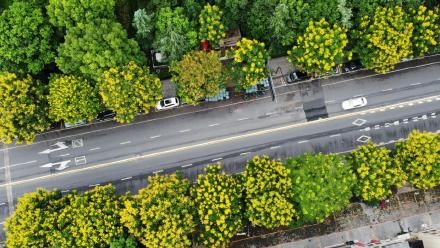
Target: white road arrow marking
[(63, 165), (61, 146)]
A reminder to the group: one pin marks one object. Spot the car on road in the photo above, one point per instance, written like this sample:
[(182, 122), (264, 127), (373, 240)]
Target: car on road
[(353, 103), (167, 103), (296, 76)]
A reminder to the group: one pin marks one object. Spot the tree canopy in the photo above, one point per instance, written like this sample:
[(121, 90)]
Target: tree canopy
[(384, 39), (322, 185), (376, 173), (419, 156), (211, 25), (129, 89), (217, 198), (68, 13), (320, 49), (175, 33), (161, 215), (199, 74), (22, 108), (426, 34), (91, 48), (26, 44), (268, 193), (72, 99)]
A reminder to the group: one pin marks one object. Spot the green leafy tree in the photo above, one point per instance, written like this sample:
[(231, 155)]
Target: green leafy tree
[(257, 18), (322, 185), (211, 26), (26, 44), (320, 48), (72, 99), (22, 108), (376, 173), (122, 242), (218, 200), (161, 215), (268, 193), (91, 219), (68, 13), (289, 20), (250, 60), (33, 222), (346, 14), (330, 10), (175, 34), (234, 10), (419, 156), (426, 34), (129, 89), (89, 49), (143, 23), (198, 75), (385, 39)]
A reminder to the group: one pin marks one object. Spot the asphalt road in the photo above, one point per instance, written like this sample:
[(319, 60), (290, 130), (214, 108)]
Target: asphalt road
[(398, 103)]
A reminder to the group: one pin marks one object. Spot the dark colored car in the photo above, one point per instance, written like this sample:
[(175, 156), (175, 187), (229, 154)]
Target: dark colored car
[(296, 76), (353, 65), (106, 115)]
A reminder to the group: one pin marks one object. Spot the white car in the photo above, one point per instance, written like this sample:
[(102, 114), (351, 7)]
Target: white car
[(167, 103), (357, 102)]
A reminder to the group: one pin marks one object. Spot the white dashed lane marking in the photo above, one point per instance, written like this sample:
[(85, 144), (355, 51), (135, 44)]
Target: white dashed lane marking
[(216, 159), (187, 165), (125, 142), (184, 131), (243, 119), (335, 135), (302, 141), (94, 149), (126, 178), (154, 137), (274, 147), (215, 124)]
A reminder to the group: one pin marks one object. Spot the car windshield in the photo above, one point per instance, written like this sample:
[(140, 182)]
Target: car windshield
[(168, 101)]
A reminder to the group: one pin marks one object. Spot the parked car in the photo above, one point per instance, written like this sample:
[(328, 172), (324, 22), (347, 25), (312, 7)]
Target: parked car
[(106, 115), (353, 65), (296, 76), (167, 103), (357, 102), (72, 125)]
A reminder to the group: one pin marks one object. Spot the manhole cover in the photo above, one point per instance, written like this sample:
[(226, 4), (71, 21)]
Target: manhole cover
[(80, 160), (77, 143), (363, 139), (359, 122)]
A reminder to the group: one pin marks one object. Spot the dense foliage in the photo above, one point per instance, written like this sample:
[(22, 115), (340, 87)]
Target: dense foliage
[(199, 74), (89, 49), (384, 39), (129, 89), (268, 193), (250, 58), (217, 198), (175, 33), (419, 156), (376, 173), (26, 44), (34, 220), (322, 185), (22, 108), (211, 26), (320, 49), (72, 99), (161, 215), (68, 13), (426, 34)]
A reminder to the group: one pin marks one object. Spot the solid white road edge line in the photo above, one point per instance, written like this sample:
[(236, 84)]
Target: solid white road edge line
[(197, 145)]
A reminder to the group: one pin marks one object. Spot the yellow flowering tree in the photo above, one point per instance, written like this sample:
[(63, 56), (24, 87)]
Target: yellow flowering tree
[(161, 215), (322, 185), (219, 207), (22, 108), (419, 156), (426, 34), (384, 39), (376, 173), (250, 58), (91, 219), (211, 26), (320, 48), (33, 222), (199, 74), (268, 193), (72, 99), (129, 89)]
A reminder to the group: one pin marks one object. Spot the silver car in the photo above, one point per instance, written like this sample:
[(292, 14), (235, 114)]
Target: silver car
[(357, 102), (167, 103)]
